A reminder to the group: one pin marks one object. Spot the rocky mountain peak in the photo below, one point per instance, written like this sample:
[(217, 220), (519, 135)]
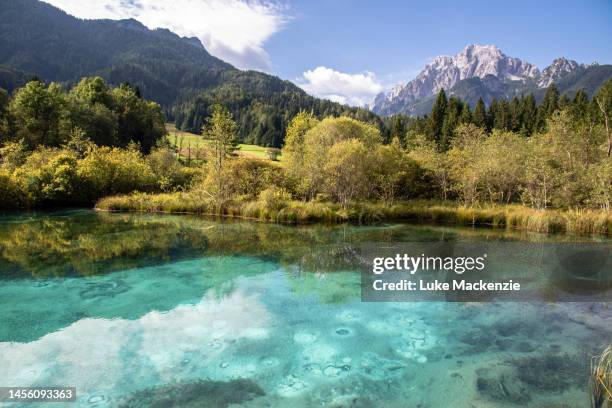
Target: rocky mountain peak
[(482, 60), (446, 71), (558, 69)]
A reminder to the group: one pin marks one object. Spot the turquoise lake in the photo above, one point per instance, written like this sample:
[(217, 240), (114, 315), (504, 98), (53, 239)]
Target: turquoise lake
[(142, 310)]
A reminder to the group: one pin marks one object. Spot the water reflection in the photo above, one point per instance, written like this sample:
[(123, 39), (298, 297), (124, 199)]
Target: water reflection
[(153, 311), (85, 243), (101, 355), (31, 309)]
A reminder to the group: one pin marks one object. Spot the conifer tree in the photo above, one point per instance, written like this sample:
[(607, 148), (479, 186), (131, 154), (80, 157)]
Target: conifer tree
[(551, 100), (516, 114), (501, 116), (398, 129), (529, 115), (436, 119), (451, 120), (480, 114), (564, 102), (549, 105), (466, 114), (580, 107), (491, 114)]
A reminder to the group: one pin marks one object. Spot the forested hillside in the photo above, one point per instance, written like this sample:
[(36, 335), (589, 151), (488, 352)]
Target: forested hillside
[(522, 115), (178, 73)]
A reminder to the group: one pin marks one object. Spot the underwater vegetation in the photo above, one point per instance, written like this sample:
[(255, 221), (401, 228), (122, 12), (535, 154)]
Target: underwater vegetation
[(551, 373), (204, 393), (523, 378), (502, 389)]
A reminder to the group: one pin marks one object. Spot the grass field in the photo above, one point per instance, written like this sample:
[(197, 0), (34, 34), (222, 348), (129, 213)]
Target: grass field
[(185, 141)]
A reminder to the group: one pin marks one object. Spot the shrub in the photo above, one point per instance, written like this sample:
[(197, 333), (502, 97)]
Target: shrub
[(106, 171), (48, 177), (167, 170), (11, 195)]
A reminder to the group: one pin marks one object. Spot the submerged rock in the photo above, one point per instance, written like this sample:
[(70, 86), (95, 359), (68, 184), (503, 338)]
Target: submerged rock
[(291, 386), (343, 331), (537, 375), (516, 327), (502, 389), (352, 394), (551, 373), (105, 289), (334, 370), (313, 369), (378, 368), (208, 393), (98, 400)]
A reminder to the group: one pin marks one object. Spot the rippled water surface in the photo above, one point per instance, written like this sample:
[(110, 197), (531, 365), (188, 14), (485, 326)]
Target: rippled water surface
[(141, 311)]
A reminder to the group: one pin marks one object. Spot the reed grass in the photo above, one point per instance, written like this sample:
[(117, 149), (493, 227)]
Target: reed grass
[(581, 222), (601, 380)]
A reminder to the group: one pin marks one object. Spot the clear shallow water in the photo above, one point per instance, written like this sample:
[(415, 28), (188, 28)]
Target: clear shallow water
[(138, 310)]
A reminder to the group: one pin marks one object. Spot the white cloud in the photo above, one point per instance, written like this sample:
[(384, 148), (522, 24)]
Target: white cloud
[(352, 89), (233, 30)]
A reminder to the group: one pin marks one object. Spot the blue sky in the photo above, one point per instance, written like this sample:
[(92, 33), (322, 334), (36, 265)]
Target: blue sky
[(350, 50), (390, 37)]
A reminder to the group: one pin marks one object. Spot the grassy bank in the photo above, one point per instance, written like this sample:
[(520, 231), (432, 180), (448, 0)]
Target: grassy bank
[(583, 222)]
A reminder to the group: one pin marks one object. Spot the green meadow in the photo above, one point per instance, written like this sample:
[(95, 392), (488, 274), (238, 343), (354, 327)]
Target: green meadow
[(183, 141)]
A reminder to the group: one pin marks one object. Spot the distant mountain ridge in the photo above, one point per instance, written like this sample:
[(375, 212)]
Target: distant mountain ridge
[(559, 68), (481, 71), (85, 46), (40, 39)]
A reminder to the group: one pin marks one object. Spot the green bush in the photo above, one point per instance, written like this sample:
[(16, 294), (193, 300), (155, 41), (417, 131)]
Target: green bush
[(48, 177), (168, 172), (104, 171), (11, 195)]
